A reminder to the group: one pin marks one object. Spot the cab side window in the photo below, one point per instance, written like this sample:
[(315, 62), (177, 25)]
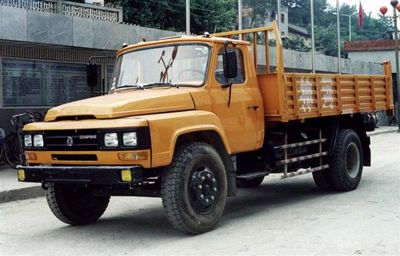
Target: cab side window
[(219, 72)]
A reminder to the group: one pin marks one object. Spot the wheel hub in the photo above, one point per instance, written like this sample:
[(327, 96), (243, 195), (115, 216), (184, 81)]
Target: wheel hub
[(205, 187), (352, 161)]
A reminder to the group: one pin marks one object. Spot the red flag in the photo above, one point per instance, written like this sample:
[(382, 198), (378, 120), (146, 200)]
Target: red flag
[(360, 17)]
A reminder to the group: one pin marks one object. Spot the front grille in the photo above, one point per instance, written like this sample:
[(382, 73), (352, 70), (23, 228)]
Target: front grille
[(72, 140)]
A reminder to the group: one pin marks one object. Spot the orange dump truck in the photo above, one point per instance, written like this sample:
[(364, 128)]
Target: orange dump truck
[(189, 119)]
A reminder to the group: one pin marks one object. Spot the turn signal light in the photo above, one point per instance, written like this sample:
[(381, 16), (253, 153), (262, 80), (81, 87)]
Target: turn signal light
[(133, 156), (126, 175), (21, 174)]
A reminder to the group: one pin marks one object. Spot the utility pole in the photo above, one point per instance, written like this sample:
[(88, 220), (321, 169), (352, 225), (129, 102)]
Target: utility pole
[(396, 46), (240, 17), (312, 38), (187, 17), (350, 28), (338, 34), (278, 15), (383, 10)]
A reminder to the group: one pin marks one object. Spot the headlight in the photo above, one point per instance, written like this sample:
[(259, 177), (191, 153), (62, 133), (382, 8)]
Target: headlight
[(129, 139), (38, 140), (28, 140), (111, 139)]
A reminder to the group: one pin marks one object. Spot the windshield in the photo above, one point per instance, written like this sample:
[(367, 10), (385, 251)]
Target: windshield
[(177, 65)]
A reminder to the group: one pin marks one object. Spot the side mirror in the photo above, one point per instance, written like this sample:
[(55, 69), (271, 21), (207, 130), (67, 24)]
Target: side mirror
[(92, 72), (230, 64)]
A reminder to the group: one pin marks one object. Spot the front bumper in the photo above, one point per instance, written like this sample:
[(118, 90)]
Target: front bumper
[(101, 175)]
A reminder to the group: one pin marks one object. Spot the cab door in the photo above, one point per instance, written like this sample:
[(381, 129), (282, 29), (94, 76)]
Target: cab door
[(239, 114)]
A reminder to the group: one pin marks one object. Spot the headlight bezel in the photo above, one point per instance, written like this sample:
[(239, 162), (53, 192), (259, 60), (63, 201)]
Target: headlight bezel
[(38, 135), (129, 136), (32, 135), (142, 138), (111, 137), (30, 144)]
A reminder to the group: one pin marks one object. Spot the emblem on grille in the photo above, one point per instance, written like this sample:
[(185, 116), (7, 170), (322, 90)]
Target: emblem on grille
[(70, 141)]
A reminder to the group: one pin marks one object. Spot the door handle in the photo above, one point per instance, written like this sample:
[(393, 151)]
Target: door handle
[(254, 107)]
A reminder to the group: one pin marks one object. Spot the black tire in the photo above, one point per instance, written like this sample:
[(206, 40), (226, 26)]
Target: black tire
[(194, 188), (346, 163), (75, 204), (242, 183)]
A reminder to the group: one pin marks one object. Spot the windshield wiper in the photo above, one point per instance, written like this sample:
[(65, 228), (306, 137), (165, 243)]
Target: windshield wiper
[(150, 85), (158, 84)]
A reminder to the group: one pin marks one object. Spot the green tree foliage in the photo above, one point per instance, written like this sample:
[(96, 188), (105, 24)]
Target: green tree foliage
[(296, 44), (260, 10), (206, 15), (299, 11), (325, 39)]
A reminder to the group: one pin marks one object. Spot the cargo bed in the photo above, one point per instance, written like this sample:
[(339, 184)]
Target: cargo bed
[(305, 95)]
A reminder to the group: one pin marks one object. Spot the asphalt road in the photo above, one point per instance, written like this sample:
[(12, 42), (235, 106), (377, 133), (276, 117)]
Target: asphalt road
[(290, 217)]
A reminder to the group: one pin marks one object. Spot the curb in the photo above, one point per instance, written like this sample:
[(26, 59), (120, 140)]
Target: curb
[(21, 194), (394, 130)]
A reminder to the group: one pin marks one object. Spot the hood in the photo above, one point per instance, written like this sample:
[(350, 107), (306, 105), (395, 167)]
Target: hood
[(126, 103)]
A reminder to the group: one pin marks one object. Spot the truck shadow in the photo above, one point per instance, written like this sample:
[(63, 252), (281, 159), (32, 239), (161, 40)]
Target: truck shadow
[(151, 223), (270, 197)]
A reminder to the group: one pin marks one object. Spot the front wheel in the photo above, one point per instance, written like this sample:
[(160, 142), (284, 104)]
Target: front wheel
[(194, 188), (75, 204)]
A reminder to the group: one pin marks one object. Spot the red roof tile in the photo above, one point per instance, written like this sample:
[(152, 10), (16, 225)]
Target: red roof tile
[(371, 45)]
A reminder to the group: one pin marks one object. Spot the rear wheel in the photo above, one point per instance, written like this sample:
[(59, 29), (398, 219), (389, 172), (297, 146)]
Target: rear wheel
[(75, 204), (347, 161), (194, 188), (346, 164)]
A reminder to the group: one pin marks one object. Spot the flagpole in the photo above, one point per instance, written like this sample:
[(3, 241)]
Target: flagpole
[(338, 34)]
